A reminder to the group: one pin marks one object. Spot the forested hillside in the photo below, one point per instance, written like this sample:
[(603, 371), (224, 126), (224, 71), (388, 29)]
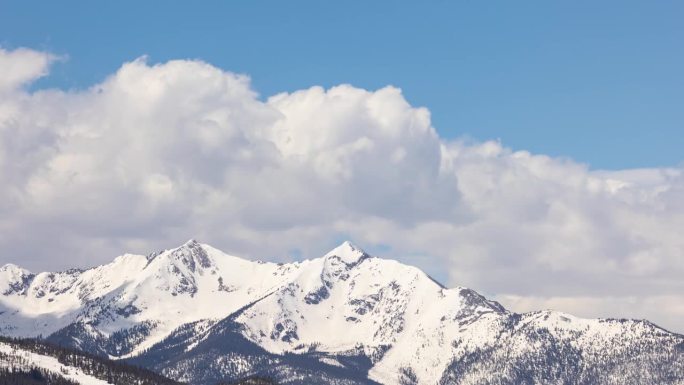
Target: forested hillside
[(28, 362)]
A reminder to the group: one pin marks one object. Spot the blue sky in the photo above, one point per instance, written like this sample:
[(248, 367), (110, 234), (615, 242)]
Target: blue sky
[(600, 82)]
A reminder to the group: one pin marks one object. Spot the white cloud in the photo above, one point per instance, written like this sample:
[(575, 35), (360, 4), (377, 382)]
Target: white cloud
[(156, 154), (22, 66)]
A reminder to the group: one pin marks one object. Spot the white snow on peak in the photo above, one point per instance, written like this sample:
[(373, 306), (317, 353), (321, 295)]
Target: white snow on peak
[(347, 252), (12, 268), (382, 304), (12, 278), (190, 242)]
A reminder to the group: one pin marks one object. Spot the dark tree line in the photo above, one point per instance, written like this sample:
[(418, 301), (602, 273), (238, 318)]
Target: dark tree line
[(252, 381), (18, 370), (32, 376), (114, 372)]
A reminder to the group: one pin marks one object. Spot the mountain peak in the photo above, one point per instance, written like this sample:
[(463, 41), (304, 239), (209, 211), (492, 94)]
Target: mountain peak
[(192, 252), (10, 267), (394, 325), (192, 242), (347, 252)]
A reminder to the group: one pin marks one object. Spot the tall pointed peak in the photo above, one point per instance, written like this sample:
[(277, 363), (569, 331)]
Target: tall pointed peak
[(191, 252), (190, 245), (347, 252), (191, 242), (12, 268)]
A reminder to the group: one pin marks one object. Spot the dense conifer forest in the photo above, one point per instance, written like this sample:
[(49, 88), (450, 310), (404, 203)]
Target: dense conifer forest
[(32, 376), (19, 371)]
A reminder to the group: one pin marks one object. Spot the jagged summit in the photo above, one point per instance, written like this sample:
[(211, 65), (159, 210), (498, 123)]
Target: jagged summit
[(347, 252), (189, 258), (10, 267), (192, 254), (373, 319)]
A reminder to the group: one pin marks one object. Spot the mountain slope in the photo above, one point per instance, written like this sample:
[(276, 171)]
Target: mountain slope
[(33, 362), (135, 299), (196, 314)]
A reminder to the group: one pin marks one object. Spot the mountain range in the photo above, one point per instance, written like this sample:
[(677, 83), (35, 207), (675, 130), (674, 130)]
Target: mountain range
[(197, 315)]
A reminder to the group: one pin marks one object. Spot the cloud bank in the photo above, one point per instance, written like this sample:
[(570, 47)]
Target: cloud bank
[(156, 154)]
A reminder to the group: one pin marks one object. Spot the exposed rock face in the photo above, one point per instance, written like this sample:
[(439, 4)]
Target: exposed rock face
[(196, 314)]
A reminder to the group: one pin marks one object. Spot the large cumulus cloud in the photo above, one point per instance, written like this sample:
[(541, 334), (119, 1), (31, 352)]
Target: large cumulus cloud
[(156, 154)]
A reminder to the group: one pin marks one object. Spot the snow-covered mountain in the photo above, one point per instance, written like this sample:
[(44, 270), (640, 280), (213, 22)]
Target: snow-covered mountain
[(196, 314)]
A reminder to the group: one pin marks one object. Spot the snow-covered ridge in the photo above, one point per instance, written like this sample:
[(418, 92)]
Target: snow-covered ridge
[(180, 285), (345, 302), (191, 282)]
